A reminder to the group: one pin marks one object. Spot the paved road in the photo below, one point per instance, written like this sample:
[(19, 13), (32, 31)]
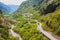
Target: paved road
[(14, 33), (47, 34)]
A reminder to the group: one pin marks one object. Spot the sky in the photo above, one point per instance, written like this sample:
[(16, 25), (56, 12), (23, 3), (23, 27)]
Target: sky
[(12, 2)]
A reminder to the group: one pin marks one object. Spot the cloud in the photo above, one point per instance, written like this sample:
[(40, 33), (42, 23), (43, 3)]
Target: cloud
[(12, 2)]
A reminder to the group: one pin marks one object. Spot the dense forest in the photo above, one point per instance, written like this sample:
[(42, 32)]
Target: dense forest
[(45, 11)]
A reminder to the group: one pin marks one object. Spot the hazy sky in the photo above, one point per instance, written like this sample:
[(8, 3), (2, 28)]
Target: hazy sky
[(9, 2)]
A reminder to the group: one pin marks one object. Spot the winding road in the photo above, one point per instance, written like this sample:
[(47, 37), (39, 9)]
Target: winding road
[(39, 28), (47, 34), (11, 32)]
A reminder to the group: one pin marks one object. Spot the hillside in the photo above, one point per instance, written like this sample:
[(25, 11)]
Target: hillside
[(45, 11), (4, 29)]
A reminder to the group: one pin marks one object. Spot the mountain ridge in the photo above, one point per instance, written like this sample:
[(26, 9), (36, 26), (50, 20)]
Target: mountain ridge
[(8, 8)]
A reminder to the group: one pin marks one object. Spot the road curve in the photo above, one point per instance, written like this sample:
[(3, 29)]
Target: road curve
[(11, 32), (47, 34)]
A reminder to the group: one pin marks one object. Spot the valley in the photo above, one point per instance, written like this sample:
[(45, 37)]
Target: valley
[(33, 20)]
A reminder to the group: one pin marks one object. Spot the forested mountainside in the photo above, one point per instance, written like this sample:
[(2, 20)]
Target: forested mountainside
[(40, 6), (46, 12)]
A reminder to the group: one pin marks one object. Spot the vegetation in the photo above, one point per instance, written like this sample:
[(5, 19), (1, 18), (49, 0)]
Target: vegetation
[(4, 29), (51, 21), (45, 11), (28, 30)]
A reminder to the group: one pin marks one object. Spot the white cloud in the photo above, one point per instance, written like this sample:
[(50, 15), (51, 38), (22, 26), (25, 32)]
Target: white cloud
[(11, 2)]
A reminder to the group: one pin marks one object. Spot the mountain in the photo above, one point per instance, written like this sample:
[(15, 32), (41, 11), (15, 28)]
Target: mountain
[(8, 8), (30, 3), (4, 7), (13, 8), (41, 5)]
